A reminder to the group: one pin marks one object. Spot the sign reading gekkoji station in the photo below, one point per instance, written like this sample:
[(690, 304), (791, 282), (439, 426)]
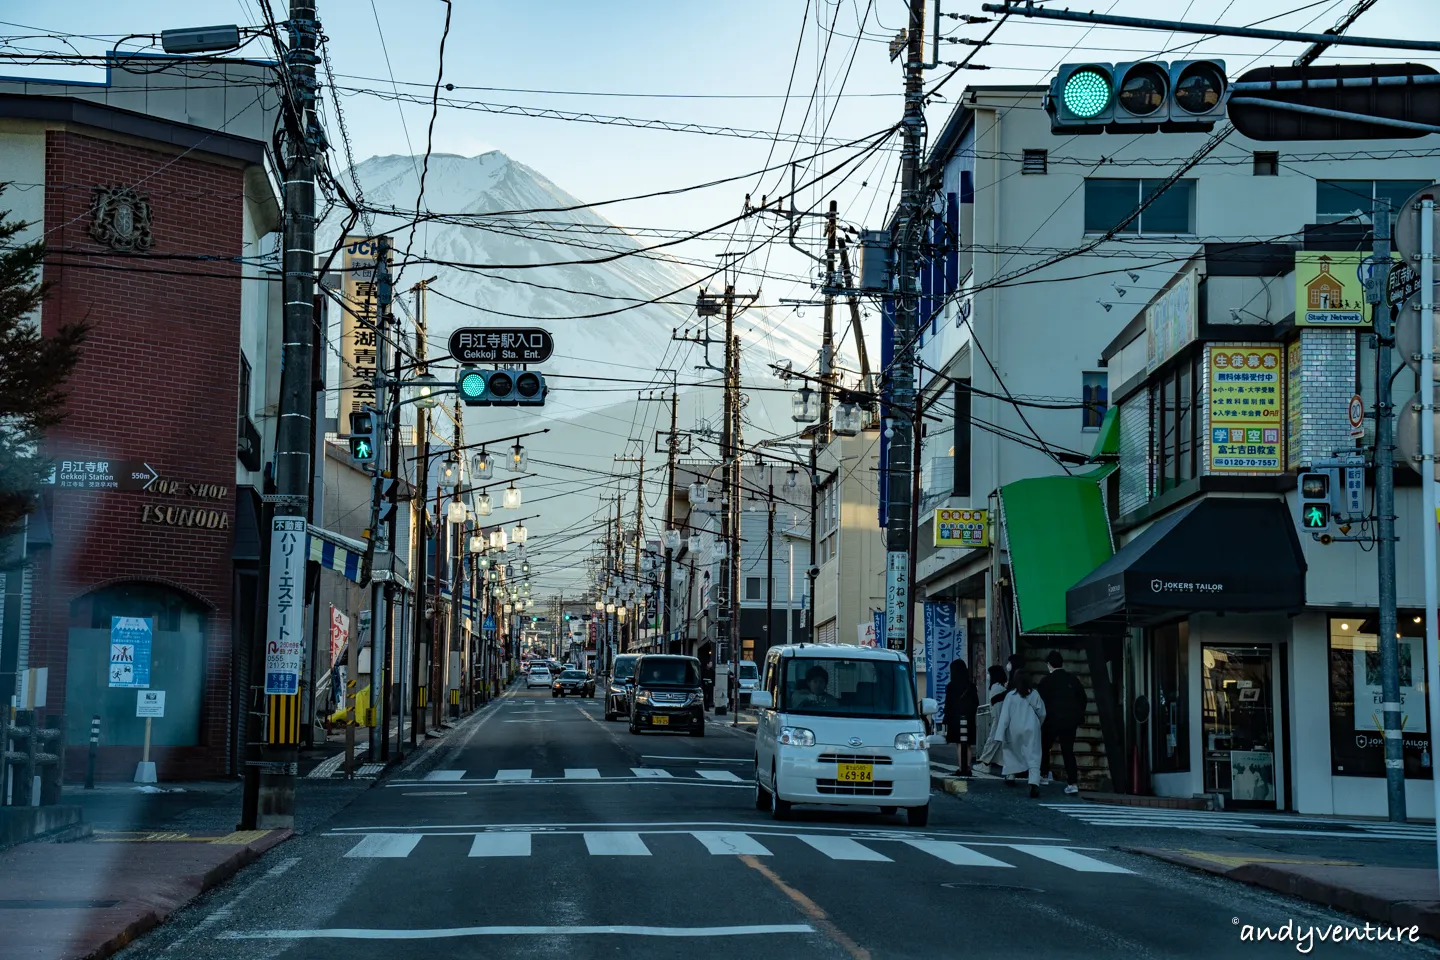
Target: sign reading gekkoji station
[(501, 345), (285, 639)]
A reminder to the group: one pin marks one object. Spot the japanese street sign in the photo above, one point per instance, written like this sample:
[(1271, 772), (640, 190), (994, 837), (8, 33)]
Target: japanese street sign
[(284, 642), (1406, 231), (501, 345), (150, 703), (105, 475), (1355, 492), (489, 622), (1401, 285), (1355, 410), (130, 640), (897, 593)]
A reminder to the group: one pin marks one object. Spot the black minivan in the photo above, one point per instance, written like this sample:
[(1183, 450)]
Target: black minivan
[(667, 695)]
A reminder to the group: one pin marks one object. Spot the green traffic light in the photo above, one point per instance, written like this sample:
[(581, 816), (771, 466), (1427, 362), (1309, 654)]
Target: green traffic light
[(360, 449), (1086, 93), (472, 384), (1316, 516)]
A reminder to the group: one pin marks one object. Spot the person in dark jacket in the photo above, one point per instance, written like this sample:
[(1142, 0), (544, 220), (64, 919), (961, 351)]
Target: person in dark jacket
[(1065, 700), (1013, 664), (961, 704)]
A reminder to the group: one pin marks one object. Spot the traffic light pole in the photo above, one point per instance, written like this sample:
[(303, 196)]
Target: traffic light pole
[(1385, 521), (270, 776)]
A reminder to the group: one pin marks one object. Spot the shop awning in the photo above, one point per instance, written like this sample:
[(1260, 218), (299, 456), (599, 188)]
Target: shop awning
[(1057, 532), (336, 552), (1107, 444), (1219, 554)]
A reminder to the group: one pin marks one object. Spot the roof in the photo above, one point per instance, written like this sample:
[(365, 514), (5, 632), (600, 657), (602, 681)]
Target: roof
[(837, 649)]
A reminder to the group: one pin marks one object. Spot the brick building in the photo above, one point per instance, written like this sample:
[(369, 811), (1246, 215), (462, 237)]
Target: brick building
[(153, 513)]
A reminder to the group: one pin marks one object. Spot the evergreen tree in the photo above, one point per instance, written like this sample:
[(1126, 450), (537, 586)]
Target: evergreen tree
[(33, 372)]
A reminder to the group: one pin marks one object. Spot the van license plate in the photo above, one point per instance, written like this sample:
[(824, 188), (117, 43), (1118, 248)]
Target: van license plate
[(855, 773), (660, 721)]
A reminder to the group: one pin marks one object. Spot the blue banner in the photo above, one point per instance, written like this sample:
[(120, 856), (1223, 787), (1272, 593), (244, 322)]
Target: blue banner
[(130, 641), (940, 650)]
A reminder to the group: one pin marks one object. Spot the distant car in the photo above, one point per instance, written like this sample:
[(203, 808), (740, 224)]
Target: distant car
[(537, 677), (619, 684), (576, 682), (749, 676)]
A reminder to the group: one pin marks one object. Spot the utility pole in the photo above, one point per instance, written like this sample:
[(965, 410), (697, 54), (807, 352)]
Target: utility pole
[(901, 399), (455, 536), (1385, 518), (380, 546), (866, 384), (420, 501), (272, 761), (639, 519), (670, 444), (827, 336), (770, 559)]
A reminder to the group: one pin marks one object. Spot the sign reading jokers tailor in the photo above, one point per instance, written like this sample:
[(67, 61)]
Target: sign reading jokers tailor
[(1247, 413), (284, 641)]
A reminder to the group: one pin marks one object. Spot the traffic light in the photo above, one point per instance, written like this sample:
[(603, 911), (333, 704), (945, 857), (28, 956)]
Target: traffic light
[(1315, 502), (1268, 102), (500, 388), (1143, 96), (362, 435)]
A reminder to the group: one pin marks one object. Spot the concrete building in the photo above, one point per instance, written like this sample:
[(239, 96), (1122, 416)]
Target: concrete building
[(850, 588)]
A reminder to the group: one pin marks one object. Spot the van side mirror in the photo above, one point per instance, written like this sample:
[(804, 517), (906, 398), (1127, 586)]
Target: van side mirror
[(762, 700), (929, 707)]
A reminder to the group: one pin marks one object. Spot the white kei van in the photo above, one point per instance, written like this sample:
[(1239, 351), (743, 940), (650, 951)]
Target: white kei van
[(840, 724)]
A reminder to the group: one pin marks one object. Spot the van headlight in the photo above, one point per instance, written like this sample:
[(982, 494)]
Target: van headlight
[(910, 741), (796, 737)]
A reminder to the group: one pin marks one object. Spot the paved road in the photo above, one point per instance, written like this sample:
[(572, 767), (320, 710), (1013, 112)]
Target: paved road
[(540, 830)]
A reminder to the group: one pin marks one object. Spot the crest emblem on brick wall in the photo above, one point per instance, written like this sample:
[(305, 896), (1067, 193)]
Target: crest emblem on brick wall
[(121, 219)]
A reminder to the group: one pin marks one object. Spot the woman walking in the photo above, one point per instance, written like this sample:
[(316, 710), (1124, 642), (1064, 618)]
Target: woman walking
[(961, 705), (1022, 713)]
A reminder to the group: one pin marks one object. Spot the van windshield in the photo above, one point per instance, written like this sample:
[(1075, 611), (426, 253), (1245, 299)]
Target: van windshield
[(748, 671), (676, 673), (841, 687), (624, 668)]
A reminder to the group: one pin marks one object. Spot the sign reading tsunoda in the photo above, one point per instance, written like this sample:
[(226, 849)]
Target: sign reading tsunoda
[(501, 345)]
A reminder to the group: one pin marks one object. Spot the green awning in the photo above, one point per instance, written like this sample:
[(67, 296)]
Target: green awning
[(1057, 532), (1098, 472), (1107, 444)]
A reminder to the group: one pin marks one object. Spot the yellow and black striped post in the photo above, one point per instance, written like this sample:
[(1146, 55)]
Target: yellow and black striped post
[(283, 718)]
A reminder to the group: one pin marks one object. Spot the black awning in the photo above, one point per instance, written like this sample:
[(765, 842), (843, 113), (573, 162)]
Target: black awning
[(1220, 554), (247, 526)]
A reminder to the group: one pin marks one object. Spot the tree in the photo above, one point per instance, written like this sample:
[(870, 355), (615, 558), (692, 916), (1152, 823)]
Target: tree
[(33, 372)]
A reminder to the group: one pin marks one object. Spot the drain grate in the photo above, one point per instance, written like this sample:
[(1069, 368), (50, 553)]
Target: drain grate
[(56, 904)]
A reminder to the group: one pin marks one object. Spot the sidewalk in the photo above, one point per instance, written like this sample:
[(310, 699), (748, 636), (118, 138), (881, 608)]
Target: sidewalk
[(1391, 896)]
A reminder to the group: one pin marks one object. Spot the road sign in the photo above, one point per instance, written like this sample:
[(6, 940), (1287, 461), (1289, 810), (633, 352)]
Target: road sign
[(150, 703), (1407, 333), (501, 345), (1401, 285), (1355, 411), (489, 622), (130, 640), (105, 475), (1355, 492), (1406, 234)]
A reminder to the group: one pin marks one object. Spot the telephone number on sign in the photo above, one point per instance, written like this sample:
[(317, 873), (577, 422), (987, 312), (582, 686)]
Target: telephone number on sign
[(1258, 463)]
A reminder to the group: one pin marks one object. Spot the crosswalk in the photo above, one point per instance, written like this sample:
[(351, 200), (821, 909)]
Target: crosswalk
[(1232, 822), (701, 775), (550, 843)]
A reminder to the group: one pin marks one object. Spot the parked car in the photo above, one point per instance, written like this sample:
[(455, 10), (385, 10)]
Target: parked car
[(667, 695), (539, 676), (840, 724), (749, 679), (576, 682), (617, 685)]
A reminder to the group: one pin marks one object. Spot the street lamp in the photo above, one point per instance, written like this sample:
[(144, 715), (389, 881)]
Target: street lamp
[(599, 606), (518, 459), (449, 473), (426, 383), (483, 506), (620, 614), (511, 498), (804, 405), (792, 479), (671, 539), (482, 465), (509, 608), (497, 540), (697, 543), (519, 533), (477, 545), (699, 493), (847, 418), (610, 607), (455, 513)]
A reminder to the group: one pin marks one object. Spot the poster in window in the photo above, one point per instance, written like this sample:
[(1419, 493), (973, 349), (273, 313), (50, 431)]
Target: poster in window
[(1245, 414), (1357, 739), (1252, 775), (1368, 693)]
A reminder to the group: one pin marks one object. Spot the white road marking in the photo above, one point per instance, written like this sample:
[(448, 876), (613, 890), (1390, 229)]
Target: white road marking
[(654, 772), (513, 844), (843, 848), (718, 775), (445, 775), (735, 844), (581, 773), (655, 756), (958, 854), (686, 826), (384, 845), (353, 933), (513, 775), (435, 793), (1068, 858), (616, 844)]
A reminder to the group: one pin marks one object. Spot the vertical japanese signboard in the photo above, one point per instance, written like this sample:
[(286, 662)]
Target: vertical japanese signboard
[(1294, 393), (1246, 416), (130, 642), (357, 330), (284, 639), (1171, 321), (897, 596)]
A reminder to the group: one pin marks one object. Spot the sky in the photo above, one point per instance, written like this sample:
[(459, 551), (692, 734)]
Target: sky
[(727, 64)]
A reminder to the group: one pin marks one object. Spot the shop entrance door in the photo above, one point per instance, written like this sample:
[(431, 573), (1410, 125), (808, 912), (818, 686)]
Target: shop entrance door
[(1238, 724)]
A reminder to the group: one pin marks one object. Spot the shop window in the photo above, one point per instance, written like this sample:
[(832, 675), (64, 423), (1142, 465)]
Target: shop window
[(1357, 737), (1237, 711), (1354, 200), (1170, 650), (1176, 410), (177, 666), (1108, 201)]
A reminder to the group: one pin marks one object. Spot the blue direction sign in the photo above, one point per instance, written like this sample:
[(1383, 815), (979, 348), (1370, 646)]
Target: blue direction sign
[(489, 622)]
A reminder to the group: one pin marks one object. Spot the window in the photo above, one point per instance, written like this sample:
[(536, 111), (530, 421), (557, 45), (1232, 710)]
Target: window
[(1267, 163), (1175, 451), (838, 687), (1346, 199), (1036, 161), (1110, 201), (244, 395), (752, 588), (1357, 737), (1170, 653), (1094, 393), (668, 671)]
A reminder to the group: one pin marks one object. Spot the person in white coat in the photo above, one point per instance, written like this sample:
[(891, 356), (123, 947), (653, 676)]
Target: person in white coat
[(1022, 713)]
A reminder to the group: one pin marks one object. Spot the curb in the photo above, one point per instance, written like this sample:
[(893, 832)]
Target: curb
[(1296, 880)]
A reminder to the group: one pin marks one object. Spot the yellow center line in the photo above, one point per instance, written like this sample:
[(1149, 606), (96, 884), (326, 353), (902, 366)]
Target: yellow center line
[(810, 908)]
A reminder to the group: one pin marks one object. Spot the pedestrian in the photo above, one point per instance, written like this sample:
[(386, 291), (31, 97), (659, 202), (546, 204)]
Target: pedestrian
[(1022, 714), (961, 705), (1065, 700), (1014, 664), (995, 693), (999, 684)]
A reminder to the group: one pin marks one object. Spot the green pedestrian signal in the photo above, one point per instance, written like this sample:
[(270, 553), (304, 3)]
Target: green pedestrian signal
[(1317, 516), (1315, 509), (362, 436)]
